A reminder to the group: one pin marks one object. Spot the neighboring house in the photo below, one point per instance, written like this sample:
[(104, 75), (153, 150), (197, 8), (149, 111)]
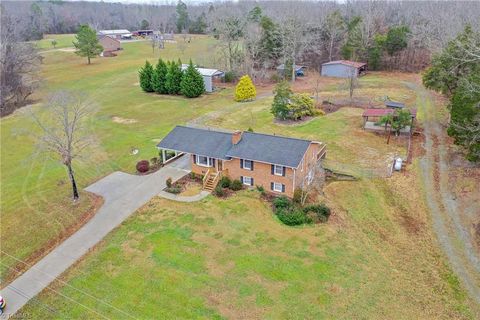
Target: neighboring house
[(143, 33), (343, 69), (299, 70), (116, 34), (109, 45), (279, 164), (210, 76)]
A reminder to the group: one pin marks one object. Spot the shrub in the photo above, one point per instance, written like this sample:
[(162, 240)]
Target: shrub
[(245, 90), (236, 185), (225, 182), (168, 182), (293, 218), (154, 162), (321, 211), (261, 189), (174, 190), (218, 191), (192, 82), (280, 100), (230, 76), (300, 105), (281, 202), (250, 129), (297, 195), (143, 166), (193, 175)]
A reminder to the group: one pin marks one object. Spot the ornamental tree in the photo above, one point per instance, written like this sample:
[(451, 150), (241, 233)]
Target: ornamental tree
[(87, 44), (192, 85), (159, 77), (145, 75), (281, 100), (245, 90)]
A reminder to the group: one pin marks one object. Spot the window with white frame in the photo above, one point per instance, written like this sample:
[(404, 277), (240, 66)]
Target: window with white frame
[(310, 177), (248, 181), (278, 170), (278, 187), (204, 161), (247, 164)]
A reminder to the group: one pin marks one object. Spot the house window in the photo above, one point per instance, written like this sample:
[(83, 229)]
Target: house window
[(204, 161), (247, 164), (278, 187), (248, 181), (278, 170), (310, 177)]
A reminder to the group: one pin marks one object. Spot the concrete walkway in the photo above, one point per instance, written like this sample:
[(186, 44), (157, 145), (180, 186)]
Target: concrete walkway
[(123, 194), (176, 197)]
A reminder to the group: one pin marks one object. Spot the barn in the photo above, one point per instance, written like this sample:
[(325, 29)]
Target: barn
[(343, 68), (116, 34), (109, 45), (210, 76)]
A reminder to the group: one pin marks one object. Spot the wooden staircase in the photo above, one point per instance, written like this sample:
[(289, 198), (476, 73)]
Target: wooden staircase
[(210, 180)]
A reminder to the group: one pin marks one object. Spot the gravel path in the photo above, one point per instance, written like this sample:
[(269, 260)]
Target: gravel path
[(452, 235)]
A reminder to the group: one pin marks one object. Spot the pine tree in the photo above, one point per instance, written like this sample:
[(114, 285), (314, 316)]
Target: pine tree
[(192, 82), (174, 77), (159, 77), (245, 90), (145, 75), (281, 100), (87, 44)]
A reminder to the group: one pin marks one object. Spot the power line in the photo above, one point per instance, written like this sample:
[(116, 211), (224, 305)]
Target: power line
[(66, 297), (71, 286)]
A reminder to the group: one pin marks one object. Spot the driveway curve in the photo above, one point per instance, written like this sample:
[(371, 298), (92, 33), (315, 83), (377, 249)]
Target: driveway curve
[(123, 194)]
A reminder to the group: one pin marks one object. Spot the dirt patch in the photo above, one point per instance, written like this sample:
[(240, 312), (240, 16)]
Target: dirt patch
[(95, 203), (123, 120)]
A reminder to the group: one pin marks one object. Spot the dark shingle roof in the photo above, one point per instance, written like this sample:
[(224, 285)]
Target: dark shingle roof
[(272, 149), (393, 104), (198, 141), (253, 146)]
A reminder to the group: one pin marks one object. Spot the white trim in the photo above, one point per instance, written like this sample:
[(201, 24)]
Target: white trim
[(209, 161), (275, 184), (251, 164), (249, 182), (275, 170)]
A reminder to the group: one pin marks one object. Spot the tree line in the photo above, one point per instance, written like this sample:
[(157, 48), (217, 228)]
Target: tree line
[(169, 78)]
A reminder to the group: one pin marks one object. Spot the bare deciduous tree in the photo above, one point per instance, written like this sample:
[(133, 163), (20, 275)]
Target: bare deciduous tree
[(313, 182), (19, 67), (351, 83), (63, 127)]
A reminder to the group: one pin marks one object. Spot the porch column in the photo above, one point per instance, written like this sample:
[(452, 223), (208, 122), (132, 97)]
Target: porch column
[(163, 155)]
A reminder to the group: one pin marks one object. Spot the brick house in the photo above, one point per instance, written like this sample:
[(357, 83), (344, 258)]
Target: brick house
[(279, 164), (109, 45)]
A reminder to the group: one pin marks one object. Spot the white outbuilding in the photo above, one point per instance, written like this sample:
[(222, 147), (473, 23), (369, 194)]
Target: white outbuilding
[(209, 76), (343, 69)]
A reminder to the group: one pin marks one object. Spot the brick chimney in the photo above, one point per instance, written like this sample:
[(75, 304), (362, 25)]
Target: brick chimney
[(236, 137)]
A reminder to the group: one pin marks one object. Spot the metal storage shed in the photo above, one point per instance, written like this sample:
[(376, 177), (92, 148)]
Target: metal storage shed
[(208, 76), (343, 68)]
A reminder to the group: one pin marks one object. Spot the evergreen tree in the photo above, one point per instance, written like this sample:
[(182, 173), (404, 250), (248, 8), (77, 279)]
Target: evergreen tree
[(87, 44), (245, 90), (174, 77), (182, 17), (192, 82), (397, 39), (146, 74), (281, 100), (159, 77)]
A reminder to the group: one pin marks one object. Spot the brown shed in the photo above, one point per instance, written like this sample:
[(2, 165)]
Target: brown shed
[(109, 44)]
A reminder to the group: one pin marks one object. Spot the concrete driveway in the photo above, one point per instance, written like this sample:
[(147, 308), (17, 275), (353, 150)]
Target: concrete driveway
[(123, 194)]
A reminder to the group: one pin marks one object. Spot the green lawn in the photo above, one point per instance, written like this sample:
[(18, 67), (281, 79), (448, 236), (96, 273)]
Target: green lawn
[(63, 41), (233, 259), (35, 189), (376, 258)]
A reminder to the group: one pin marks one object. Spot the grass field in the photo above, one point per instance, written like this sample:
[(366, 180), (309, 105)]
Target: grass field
[(63, 41), (376, 258)]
